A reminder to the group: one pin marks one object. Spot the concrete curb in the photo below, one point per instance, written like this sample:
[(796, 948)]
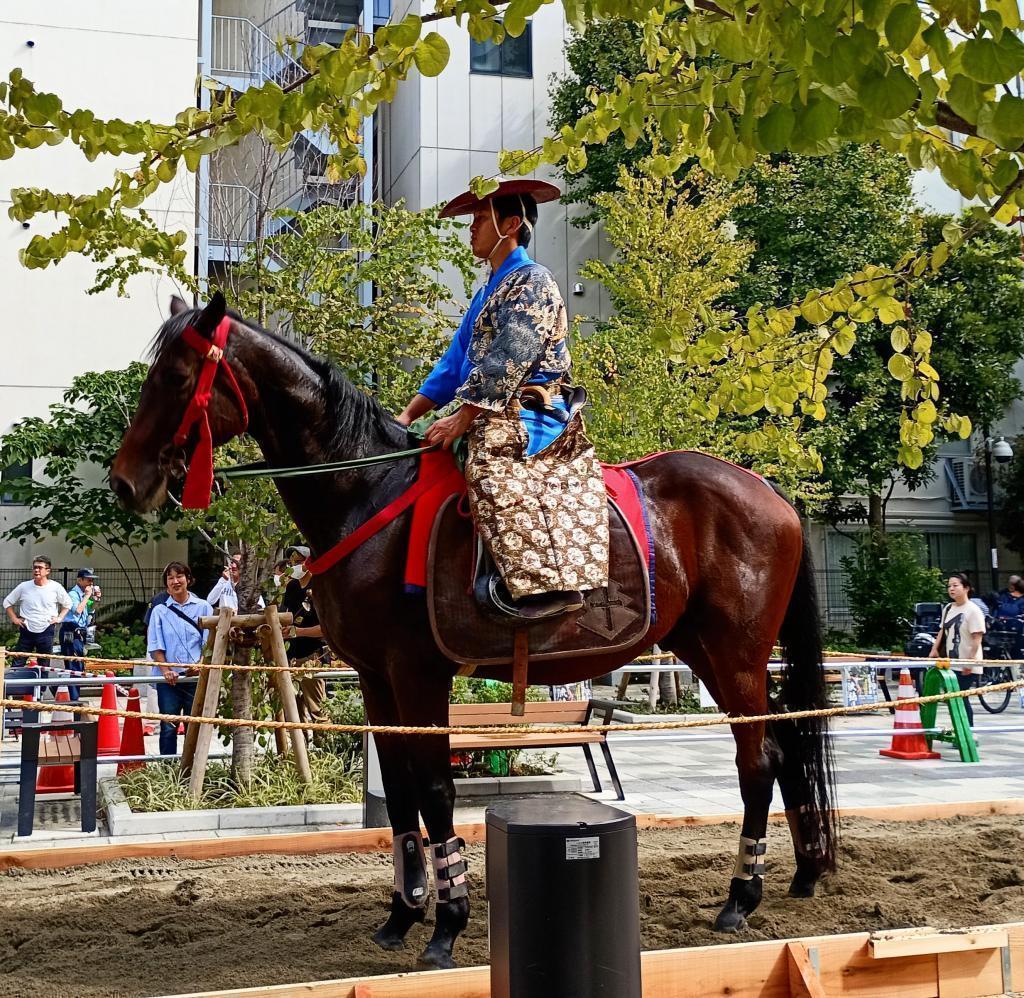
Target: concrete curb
[(121, 820)]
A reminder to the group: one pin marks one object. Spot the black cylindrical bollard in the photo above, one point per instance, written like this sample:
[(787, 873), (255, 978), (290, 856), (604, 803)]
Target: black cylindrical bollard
[(562, 890)]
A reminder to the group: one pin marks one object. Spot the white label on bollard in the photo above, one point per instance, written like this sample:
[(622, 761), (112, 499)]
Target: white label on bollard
[(583, 848)]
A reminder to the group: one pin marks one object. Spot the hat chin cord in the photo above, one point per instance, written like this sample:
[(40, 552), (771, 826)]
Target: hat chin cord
[(497, 231)]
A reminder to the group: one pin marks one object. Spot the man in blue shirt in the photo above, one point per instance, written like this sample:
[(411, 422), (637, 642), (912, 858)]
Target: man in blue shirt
[(175, 636), (73, 629), (535, 485)]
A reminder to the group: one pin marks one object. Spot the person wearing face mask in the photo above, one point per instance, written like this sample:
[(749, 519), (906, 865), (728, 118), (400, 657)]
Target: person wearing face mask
[(224, 592), (535, 486), (304, 636)]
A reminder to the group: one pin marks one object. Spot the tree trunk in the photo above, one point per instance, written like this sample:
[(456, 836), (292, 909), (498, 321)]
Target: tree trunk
[(243, 740), (876, 515)]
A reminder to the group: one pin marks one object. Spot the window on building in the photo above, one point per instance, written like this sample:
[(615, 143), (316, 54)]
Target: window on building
[(953, 553), (13, 471), (513, 57)]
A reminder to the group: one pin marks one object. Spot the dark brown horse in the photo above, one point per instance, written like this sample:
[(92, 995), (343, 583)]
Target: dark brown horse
[(732, 576)]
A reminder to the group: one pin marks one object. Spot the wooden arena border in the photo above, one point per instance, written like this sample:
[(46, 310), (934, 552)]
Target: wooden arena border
[(902, 963), (53, 857)]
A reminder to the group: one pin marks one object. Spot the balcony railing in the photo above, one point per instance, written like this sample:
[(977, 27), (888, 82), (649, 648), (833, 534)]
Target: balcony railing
[(241, 51)]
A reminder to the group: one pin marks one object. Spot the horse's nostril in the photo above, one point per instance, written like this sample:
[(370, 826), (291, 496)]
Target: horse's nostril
[(124, 489)]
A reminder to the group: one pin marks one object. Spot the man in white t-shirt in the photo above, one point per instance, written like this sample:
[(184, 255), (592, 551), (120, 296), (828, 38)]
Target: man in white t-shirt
[(961, 630), (37, 608)]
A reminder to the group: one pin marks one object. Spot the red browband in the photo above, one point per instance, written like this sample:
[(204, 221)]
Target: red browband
[(199, 479)]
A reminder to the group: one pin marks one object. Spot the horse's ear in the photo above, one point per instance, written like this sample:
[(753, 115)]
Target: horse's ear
[(210, 316), (178, 305)]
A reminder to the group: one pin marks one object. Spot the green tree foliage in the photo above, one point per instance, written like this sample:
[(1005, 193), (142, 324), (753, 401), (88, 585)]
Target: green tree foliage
[(319, 274), (885, 577), (723, 83), (1010, 499), (71, 451)]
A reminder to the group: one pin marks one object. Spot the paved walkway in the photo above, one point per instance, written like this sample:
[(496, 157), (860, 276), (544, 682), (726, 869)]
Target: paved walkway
[(682, 773)]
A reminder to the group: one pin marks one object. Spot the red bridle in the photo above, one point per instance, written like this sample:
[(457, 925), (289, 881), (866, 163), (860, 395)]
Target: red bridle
[(199, 479)]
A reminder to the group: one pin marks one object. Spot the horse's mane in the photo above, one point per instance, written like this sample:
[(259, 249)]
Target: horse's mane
[(350, 413)]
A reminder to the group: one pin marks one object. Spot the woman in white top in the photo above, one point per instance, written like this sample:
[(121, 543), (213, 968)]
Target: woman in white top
[(961, 629)]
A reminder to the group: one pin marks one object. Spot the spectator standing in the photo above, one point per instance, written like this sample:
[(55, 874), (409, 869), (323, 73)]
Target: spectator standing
[(175, 635), (73, 631), (225, 592), (305, 637), (37, 608), (961, 629)]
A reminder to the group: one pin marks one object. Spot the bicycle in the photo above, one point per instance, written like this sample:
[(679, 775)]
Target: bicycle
[(999, 644)]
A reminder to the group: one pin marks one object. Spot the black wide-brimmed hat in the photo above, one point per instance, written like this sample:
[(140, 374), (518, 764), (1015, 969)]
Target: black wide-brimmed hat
[(467, 202)]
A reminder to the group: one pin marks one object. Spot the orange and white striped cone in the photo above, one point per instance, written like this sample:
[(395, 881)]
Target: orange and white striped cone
[(908, 741)]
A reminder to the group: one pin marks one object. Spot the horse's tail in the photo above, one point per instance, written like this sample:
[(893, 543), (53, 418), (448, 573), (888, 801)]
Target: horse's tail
[(805, 744)]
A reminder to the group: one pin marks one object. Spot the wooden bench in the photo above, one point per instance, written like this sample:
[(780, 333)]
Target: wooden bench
[(70, 743), (574, 714)]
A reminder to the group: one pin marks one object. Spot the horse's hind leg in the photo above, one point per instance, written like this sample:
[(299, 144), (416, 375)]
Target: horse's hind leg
[(409, 898), (739, 685), (798, 796)]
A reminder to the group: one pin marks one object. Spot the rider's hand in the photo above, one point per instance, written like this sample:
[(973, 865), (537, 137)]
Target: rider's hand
[(446, 431)]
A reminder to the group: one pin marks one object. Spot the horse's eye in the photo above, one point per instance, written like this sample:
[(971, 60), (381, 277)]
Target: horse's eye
[(174, 378)]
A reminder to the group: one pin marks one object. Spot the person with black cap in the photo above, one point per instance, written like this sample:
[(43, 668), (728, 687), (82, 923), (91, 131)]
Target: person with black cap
[(84, 594), (535, 485), (305, 637)]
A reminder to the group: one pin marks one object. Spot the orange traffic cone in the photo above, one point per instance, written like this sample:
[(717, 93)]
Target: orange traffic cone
[(908, 740), (57, 779), (108, 737), (131, 735)]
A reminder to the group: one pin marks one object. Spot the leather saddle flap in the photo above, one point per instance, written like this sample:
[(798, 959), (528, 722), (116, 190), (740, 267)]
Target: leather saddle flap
[(614, 617)]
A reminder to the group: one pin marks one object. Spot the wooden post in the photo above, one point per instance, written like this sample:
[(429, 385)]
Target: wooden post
[(280, 742), (208, 707), (285, 690), (520, 663), (188, 750)]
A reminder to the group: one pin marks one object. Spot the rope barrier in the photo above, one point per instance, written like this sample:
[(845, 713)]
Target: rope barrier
[(502, 729), (101, 664)]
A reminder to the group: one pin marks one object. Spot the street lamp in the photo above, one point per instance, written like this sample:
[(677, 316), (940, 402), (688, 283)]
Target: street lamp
[(1003, 453)]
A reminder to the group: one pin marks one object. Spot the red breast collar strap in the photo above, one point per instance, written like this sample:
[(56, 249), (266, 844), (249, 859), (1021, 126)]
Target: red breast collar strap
[(376, 523), (199, 479)]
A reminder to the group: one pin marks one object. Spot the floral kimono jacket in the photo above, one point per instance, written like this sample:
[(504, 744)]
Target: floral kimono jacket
[(534, 482)]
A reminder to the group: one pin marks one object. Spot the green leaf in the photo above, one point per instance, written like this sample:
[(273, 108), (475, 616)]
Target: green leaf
[(899, 338), (776, 127), (988, 61), (966, 97), (818, 121), (1008, 121), (431, 54), (887, 96), (406, 33), (902, 25), (517, 13), (900, 366)]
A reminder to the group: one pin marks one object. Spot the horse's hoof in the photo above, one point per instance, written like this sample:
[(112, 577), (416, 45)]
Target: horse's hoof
[(391, 935), (438, 958), (801, 888), (730, 919)]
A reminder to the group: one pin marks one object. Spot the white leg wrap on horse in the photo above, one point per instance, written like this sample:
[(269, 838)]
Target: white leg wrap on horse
[(750, 860), (804, 840), (450, 870), (410, 869)]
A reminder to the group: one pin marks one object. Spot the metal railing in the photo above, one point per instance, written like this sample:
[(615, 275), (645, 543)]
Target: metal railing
[(240, 48)]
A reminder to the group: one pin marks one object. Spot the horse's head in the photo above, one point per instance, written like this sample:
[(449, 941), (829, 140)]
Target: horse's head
[(149, 457)]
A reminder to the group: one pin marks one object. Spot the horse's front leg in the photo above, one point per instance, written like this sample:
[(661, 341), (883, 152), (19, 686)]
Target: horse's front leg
[(409, 898)]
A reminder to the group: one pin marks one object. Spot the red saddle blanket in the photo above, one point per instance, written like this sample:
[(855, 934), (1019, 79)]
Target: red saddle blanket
[(620, 482)]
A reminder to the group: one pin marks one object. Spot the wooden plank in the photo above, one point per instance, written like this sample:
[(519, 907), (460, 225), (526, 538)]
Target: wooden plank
[(245, 620), (803, 978), (511, 740), (919, 942), (1015, 930), (967, 975), (564, 711)]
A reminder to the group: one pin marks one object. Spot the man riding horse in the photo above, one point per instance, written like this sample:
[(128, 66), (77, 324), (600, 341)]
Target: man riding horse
[(534, 482)]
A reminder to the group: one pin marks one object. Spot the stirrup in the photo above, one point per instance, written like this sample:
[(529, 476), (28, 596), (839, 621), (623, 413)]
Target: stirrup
[(543, 607)]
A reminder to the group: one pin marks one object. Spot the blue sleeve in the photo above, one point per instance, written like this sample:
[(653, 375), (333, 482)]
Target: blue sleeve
[(155, 640), (444, 380)]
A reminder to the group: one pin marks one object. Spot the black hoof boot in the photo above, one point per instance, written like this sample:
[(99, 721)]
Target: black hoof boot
[(391, 935), (451, 918), (744, 897)]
